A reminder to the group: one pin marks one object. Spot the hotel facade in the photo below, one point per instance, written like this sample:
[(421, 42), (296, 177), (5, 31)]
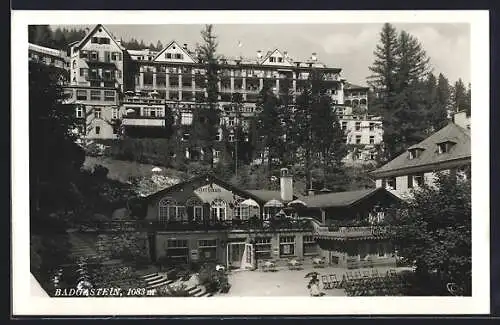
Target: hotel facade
[(120, 92)]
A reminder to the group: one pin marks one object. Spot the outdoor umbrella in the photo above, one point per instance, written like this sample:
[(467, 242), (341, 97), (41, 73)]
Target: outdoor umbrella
[(156, 169), (130, 110), (311, 274), (274, 203), (250, 202), (297, 203)]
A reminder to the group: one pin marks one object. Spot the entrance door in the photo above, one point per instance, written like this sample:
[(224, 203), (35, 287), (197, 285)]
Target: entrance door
[(235, 254)]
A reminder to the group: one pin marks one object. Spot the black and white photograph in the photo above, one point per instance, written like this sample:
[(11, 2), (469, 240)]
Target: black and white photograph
[(323, 159)]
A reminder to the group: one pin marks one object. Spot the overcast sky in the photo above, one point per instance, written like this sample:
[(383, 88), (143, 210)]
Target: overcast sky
[(346, 46)]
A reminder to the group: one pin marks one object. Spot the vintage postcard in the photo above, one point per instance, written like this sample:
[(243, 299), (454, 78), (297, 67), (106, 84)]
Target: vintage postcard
[(245, 163)]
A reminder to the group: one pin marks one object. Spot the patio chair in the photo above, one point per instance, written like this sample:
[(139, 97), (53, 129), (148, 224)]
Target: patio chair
[(335, 283), (326, 282)]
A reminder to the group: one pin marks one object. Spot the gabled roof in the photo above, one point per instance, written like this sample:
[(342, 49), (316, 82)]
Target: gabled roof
[(342, 199), (169, 46), (430, 156), (206, 178), (92, 32), (267, 195), (269, 53), (350, 86)]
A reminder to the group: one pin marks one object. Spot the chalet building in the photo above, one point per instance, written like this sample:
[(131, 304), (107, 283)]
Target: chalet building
[(353, 226), (447, 150), (207, 219)]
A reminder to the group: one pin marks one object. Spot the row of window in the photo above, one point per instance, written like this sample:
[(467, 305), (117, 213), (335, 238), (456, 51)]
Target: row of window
[(106, 74), (95, 111), (108, 95), (100, 40), (94, 56), (287, 246), (177, 56), (170, 210)]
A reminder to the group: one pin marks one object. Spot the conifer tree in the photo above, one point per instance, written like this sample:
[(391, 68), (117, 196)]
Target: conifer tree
[(460, 100), (207, 118)]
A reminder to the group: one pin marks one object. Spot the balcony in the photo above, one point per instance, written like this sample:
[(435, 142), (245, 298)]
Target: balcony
[(352, 232), (144, 121)]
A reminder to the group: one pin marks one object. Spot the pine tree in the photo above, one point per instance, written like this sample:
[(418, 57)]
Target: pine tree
[(383, 78), (399, 69), (159, 46), (59, 39), (208, 118), (460, 98), (40, 35), (269, 127), (412, 62), (151, 47), (439, 113), (469, 99)]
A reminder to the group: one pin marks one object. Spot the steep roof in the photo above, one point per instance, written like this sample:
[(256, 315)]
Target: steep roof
[(430, 156), (341, 199), (267, 195), (92, 32), (350, 86)]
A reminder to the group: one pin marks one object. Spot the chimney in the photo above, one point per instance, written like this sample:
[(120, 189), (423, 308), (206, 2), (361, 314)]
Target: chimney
[(286, 185), (285, 54), (461, 119), (185, 46), (314, 57), (259, 54)]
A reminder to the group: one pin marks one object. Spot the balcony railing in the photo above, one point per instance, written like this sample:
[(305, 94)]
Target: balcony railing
[(144, 121), (228, 225), (352, 232)]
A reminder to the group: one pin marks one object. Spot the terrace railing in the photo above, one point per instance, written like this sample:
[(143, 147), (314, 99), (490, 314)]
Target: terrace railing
[(353, 232), (227, 225)]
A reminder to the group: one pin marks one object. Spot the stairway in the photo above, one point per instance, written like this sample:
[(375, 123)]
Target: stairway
[(156, 280), (81, 246)]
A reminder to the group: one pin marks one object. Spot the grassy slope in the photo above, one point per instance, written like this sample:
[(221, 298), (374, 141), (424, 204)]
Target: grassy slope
[(121, 170)]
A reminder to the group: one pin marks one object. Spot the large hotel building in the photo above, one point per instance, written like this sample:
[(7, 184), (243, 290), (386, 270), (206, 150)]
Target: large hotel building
[(118, 91)]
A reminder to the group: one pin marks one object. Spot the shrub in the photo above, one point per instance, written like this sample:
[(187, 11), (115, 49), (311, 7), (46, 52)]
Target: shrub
[(173, 291), (213, 280)]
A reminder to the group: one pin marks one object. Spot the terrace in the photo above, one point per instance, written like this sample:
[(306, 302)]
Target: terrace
[(223, 225)]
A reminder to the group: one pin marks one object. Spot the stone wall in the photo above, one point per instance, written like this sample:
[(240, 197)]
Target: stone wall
[(123, 245)]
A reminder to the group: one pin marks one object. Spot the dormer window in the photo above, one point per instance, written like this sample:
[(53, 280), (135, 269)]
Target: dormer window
[(445, 146), (415, 152)]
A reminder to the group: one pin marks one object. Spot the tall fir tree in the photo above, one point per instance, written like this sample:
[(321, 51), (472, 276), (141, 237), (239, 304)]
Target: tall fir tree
[(383, 77), (460, 100), (269, 127), (439, 116), (40, 35), (469, 99), (207, 118), (400, 66), (159, 46)]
